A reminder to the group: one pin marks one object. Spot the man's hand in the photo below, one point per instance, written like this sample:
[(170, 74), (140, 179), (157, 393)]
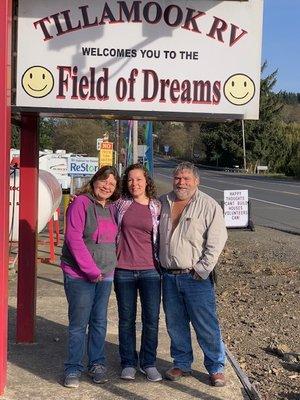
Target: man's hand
[(195, 275)]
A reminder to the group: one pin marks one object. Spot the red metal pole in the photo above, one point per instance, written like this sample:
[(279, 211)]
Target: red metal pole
[(5, 114), (26, 302), (51, 240), (56, 222)]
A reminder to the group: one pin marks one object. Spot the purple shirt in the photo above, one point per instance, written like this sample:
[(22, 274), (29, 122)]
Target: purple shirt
[(99, 226), (135, 249)]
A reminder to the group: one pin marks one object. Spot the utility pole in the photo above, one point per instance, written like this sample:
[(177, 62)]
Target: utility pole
[(118, 139), (244, 145), (135, 142), (117, 143)]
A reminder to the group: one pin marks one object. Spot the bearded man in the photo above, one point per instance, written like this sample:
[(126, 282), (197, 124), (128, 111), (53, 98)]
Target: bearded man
[(192, 236)]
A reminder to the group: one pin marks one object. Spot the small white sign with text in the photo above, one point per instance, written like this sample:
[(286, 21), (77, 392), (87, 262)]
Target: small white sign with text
[(236, 210), (82, 166)]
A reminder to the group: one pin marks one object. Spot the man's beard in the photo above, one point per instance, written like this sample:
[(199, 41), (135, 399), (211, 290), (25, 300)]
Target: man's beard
[(183, 195)]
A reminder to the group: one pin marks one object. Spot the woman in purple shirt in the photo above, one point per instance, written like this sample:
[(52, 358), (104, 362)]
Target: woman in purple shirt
[(137, 272), (88, 261)]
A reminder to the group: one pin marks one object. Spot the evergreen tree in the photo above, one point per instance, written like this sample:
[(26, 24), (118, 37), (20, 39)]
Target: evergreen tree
[(47, 128), (15, 137), (264, 137)]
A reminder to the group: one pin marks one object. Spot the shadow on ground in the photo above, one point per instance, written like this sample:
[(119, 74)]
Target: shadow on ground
[(44, 359)]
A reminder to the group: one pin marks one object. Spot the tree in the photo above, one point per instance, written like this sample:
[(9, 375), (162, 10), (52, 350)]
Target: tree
[(265, 138), (15, 137), (47, 128), (174, 135), (292, 162), (79, 136)]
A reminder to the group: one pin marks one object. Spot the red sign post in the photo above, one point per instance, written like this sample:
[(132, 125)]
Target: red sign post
[(5, 115), (26, 303)]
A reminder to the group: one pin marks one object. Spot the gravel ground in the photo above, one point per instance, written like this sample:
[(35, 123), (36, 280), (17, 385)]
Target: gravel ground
[(259, 308)]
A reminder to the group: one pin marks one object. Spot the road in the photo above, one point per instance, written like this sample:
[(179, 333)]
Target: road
[(274, 202)]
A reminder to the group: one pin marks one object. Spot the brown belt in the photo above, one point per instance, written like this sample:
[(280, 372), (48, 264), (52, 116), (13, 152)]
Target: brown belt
[(177, 271)]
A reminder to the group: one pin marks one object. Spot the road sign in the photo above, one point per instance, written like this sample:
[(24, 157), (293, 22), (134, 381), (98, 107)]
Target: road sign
[(106, 155), (99, 141), (236, 211)]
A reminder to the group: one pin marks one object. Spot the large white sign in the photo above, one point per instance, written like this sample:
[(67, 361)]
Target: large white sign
[(82, 166), (179, 59), (57, 165), (236, 211)]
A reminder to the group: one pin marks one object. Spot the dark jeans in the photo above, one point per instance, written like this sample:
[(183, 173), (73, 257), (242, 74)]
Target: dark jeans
[(88, 304), (128, 284), (186, 301)]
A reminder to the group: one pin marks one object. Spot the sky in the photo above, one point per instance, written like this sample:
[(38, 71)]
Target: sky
[(281, 42)]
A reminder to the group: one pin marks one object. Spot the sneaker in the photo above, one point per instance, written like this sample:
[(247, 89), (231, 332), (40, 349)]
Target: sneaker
[(128, 373), (217, 379), (98, 373), (72, 380), (175, 374), (152, 374)]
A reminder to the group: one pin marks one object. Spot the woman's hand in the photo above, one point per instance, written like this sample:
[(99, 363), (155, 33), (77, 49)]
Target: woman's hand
[(98, 279), (72, 198)]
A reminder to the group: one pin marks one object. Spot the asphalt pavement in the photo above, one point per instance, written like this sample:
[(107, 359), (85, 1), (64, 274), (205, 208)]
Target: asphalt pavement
[(274, 203)]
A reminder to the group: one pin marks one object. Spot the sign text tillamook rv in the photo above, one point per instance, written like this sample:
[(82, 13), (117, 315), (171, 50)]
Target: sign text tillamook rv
[(193, 57)]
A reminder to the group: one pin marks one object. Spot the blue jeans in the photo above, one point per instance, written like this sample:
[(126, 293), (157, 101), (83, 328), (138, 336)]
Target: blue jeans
[(127, 286), (88, 304), (186, 301)]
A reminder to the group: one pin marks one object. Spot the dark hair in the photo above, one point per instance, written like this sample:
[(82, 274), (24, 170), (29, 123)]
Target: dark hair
[(150, 186), (102, 174)]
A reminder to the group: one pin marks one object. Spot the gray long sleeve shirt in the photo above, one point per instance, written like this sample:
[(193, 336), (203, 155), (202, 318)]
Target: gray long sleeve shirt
[(199, 237)]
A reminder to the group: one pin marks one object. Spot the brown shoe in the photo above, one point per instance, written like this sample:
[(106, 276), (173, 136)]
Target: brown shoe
[(217, 379), (174, 374)]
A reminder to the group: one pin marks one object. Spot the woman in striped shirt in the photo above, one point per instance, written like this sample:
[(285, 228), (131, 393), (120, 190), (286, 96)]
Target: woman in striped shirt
[(137, 272)]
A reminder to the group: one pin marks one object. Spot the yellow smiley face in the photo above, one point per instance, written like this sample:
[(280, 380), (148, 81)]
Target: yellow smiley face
[(239, 89), (37, 81)]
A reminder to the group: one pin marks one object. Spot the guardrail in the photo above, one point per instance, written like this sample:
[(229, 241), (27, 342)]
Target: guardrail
[(225, 169), (210, 167)]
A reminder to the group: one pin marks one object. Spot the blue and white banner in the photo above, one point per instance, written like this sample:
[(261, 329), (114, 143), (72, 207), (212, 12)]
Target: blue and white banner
[(149, 143)]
